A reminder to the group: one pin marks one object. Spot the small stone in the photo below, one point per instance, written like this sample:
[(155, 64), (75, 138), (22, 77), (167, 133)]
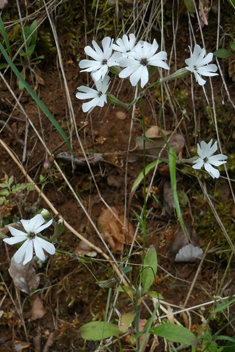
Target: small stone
[(121, 115)]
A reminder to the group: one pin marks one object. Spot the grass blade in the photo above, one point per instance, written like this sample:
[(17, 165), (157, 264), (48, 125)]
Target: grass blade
[(172, 166), (35, 97)]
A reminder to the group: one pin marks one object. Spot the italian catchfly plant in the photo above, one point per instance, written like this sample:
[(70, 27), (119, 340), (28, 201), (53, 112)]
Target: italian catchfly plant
[(198, 64), (207, 159), (29, 236)]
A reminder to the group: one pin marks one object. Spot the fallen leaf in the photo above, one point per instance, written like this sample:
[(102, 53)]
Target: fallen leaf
[(142, 323), (125, 321), (186, 251), (168, 200), (24, 276), (115, 181), (114, 232), (189, 253), (83, 249), (154, 146), (38, 310)]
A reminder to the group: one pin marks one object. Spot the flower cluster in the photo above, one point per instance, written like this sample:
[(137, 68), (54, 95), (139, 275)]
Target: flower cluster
[(133, 59)]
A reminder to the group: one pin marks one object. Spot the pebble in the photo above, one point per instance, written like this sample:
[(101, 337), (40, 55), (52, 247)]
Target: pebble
[(121, 115)]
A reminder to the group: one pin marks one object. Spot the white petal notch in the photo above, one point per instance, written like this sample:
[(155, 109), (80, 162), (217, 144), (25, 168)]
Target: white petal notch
[(207, 159), (31, 241), (198, 64)]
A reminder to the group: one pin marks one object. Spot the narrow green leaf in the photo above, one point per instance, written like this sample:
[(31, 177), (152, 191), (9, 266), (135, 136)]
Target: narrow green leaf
[(126, 269), (232, 2), (154, 294), (35, 97), (230, 346), (232, 45), (141, 175), (190, 5), (222, 53), (175, 333), (5, 37), (149, 270), (172, 166), (95, 330), (224, 305)]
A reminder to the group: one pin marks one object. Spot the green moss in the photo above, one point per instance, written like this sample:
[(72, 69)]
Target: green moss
[(208, 228)]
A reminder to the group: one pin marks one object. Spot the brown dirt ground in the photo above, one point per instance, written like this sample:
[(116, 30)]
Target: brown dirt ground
[(69, 293)]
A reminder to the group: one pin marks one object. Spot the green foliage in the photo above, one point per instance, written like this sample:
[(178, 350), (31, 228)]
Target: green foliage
[(175, 333), (149, 269), (97, 330), (8, 194)]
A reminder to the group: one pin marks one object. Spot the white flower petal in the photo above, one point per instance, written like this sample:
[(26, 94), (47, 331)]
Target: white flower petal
[(16, 232), (198, 164), (212, 171), (128, 71), (199, 79), (144, 76), (136, 75), (89, 65), (98, 50), (43, 227), (107, 47), (14, 240), (92, 53), (25, 249), (47, 246), (34, 223)]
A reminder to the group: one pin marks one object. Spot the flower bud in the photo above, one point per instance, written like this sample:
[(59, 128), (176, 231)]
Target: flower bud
[(181, 73), (46, 214), (59, 227), (115, 69), (113, 100)]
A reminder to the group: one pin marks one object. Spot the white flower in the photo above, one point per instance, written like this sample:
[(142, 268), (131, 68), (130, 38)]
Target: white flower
[(125, 45), (142, 56), (102, 59), (206, 159), (197, 64), (32, 241), (99, 96)]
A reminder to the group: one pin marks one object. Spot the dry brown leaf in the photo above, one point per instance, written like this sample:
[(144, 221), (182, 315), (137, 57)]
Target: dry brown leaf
[(186, 251), (154, 146), (113, 231), (231, 68), (49, 342), (24, 276), (168, 200), (84, 249), (142, 323), (38, 310)]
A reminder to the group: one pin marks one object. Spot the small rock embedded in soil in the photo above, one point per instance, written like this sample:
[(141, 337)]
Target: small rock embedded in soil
[(121, 115)]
